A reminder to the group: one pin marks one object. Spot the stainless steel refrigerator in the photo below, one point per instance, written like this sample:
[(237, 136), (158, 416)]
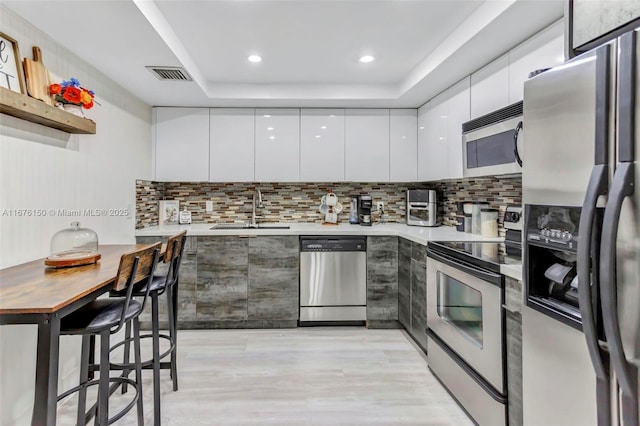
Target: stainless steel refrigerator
[(581, 322)]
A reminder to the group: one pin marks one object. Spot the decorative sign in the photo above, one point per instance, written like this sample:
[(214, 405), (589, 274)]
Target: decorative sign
[(11, 72), (168, 212)]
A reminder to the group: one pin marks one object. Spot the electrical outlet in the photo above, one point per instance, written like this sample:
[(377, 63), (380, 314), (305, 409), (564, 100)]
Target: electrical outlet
[(380, 205), (209, 206)]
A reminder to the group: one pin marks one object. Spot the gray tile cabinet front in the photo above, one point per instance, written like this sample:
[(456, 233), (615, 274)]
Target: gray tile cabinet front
[(222, 278), (274, 264), (412, 289), (513, 305), (235, 282), (404, 282), (419, 293), (382, 281)]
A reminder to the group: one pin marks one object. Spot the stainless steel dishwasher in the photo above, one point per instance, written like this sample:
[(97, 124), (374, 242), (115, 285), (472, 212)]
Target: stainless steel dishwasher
[(333, 279)]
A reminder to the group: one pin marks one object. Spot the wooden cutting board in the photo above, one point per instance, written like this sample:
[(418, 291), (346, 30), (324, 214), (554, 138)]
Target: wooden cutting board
[(37, 77)]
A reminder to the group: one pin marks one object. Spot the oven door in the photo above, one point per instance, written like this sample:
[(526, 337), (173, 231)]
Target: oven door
[(465, 312)]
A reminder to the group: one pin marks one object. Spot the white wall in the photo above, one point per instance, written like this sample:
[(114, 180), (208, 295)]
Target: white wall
[(43, 168)]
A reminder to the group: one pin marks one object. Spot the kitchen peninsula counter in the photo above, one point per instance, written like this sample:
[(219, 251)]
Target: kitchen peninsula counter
[(421, 235), (249, 278)]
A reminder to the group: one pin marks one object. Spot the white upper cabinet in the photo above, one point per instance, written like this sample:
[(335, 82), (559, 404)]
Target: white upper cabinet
[(403, 145), (232, 145), (490, 87), (181, 144), (432, 151), (423, 140), (322, 145), (543, 50), (367, 145), (277, 145), (459, 112)]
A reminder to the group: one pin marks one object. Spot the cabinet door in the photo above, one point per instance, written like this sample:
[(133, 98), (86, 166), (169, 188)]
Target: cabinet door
[(459, 112), (543, 50), (277, 145), (382, 279), (403, 145), (367, 145), (322, 145), (433, 158), (490, 87), (222, 278), (404, 282), (423, 140), (232, 145), (419, 293), (274, 274), (181, 144)]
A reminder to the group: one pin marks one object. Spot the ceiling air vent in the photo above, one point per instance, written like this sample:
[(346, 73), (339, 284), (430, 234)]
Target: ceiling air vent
[(170, 73)]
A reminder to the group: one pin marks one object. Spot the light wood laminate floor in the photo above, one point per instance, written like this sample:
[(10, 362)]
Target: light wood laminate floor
[(303, 376)]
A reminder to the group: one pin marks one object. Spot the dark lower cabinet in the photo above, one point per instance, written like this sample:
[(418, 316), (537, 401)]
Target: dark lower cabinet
[(222, 278), (234, 282), (273, 278), (419, 293), (382, 282), (412, 289), (404, 283)]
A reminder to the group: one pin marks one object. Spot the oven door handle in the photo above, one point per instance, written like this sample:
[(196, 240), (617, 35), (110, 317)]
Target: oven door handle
[(491, 277)]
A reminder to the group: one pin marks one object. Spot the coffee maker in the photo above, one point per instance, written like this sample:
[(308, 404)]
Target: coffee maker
[(364, 209)]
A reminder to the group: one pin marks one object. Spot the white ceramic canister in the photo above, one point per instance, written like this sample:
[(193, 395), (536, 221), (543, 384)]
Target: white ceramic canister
[(489, 223), (476, 220)]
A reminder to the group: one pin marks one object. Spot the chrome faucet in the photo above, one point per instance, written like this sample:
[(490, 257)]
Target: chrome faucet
[(259, 205)]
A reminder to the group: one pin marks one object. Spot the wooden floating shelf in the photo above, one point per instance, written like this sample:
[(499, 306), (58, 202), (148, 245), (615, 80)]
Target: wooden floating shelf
[(36, 111)]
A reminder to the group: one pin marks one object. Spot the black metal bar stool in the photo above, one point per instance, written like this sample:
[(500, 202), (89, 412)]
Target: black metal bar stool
[(103, 317), (159, 285)]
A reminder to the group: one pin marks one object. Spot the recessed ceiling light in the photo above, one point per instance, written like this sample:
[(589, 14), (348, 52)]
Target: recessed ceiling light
[(366, 59), (272, 137), (317, 136), (269, 128), (404, 137), (254, 58), (323, 127), (421, 127), (266, 116)]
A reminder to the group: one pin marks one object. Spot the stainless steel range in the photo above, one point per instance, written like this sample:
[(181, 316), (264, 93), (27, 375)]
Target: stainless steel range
[(466, 325)]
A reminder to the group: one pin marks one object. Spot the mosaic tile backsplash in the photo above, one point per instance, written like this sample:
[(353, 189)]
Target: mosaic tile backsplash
[(299, 202)]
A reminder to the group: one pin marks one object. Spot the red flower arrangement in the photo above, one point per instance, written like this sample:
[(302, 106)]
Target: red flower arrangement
[(70, 92)]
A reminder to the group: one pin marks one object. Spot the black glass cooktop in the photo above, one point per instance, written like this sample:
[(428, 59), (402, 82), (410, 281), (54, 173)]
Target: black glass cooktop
[(486, 255)]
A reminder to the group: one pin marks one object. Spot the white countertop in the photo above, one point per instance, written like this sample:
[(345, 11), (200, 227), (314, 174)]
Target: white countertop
[(414, 233)]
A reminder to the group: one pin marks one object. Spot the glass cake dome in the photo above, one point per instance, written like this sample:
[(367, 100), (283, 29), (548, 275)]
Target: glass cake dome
[(74, 243)]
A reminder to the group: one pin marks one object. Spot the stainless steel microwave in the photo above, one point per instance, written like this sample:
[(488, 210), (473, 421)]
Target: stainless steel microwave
[(490, 143)]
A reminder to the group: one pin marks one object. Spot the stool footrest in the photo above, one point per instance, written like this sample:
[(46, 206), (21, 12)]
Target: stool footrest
[(145, 363), (118, 381)]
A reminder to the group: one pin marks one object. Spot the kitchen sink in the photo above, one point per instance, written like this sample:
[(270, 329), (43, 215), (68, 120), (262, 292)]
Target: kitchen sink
[(248, 226)]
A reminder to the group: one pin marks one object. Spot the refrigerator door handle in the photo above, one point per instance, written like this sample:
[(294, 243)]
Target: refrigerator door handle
[(626, 373), (588, 286)]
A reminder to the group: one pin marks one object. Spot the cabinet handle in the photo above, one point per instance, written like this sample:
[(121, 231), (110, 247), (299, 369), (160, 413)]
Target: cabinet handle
[(247, 236)]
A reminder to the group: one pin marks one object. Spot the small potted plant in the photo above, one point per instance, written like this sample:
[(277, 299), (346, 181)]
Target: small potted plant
[(72, 97)]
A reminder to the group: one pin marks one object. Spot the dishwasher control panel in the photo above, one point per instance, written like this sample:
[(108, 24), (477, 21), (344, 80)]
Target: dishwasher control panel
[(332, 244)]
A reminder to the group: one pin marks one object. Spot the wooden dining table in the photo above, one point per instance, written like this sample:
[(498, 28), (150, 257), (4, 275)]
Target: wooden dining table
[(31, 293)]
